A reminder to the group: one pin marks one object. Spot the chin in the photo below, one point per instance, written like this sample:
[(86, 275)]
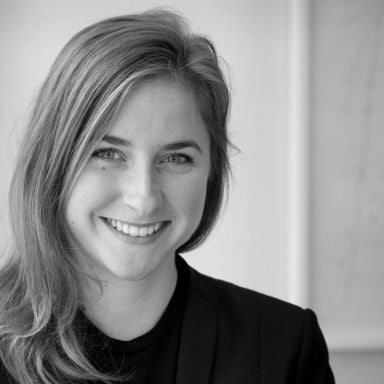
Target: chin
[(138, 267)]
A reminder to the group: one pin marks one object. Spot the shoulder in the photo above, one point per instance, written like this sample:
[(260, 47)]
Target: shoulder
[(242, 300), (268, 319), (271, 319), (254, 329), (280, 333)]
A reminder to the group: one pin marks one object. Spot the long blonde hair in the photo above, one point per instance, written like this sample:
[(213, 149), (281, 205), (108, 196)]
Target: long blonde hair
[(39, 296)]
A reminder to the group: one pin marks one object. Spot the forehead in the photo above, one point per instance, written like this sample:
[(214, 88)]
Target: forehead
[(158, 110)]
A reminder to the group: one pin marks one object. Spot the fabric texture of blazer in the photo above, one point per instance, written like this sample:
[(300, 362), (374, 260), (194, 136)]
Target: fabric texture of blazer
[(233, 335)]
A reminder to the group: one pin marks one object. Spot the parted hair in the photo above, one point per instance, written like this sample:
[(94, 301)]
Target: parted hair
[(95, 71)]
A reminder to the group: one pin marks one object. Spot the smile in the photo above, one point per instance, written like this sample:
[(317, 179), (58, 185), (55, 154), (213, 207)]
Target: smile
[(134, 230)]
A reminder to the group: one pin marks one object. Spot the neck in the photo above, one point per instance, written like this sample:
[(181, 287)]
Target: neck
[(125, 310)]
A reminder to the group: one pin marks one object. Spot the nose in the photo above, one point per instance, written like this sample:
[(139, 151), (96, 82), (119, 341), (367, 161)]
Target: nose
[(141, 190)]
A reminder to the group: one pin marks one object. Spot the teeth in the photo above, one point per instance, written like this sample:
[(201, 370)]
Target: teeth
[(133, 230), (143, 231), (125, 229)]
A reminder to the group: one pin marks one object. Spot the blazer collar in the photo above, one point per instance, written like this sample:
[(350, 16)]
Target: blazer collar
[(198, 338)]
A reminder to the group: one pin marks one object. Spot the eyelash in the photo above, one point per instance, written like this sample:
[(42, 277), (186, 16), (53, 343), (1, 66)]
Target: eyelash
[(182, 158), (99, 153), (186, 159)]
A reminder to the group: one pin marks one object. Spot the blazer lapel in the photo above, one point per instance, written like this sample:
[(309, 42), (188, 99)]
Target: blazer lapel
[(197, 343)]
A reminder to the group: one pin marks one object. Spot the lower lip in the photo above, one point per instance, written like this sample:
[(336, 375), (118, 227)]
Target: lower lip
[(136, 239)]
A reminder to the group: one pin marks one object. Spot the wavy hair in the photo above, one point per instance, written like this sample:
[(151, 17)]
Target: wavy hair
[(39, 295)]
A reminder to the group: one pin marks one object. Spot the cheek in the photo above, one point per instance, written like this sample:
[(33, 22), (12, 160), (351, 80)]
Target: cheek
[(191, 200), (88, 194)]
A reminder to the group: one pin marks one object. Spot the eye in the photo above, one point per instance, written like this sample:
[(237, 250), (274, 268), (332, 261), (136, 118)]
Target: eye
[(107, 154), (178, 158)]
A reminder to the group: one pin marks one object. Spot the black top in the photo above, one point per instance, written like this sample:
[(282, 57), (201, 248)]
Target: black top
[(150, 358)]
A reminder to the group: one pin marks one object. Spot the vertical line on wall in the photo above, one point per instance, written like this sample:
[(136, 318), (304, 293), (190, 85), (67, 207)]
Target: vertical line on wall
[(298, 153)]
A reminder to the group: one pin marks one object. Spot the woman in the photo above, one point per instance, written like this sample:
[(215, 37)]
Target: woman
[(123, 167)]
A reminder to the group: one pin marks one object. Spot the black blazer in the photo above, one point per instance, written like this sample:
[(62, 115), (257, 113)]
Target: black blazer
[(233, 335)]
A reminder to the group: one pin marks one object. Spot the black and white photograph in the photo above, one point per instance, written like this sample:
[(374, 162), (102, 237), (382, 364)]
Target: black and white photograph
[(192, 192)]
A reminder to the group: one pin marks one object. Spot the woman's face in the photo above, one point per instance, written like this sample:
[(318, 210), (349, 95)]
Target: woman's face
[(142, 193)]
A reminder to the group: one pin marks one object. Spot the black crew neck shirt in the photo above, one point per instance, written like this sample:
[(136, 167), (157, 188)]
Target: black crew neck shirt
[(147, 359)]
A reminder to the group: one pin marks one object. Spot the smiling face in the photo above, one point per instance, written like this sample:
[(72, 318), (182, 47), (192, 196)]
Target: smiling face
[(142, 193)]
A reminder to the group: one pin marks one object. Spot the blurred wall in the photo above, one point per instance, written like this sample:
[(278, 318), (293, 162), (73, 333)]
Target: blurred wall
[(347, 184)]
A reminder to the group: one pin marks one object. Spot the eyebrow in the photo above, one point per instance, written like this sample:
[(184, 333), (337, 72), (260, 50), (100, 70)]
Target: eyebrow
[(181, 144), (115, 140)]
